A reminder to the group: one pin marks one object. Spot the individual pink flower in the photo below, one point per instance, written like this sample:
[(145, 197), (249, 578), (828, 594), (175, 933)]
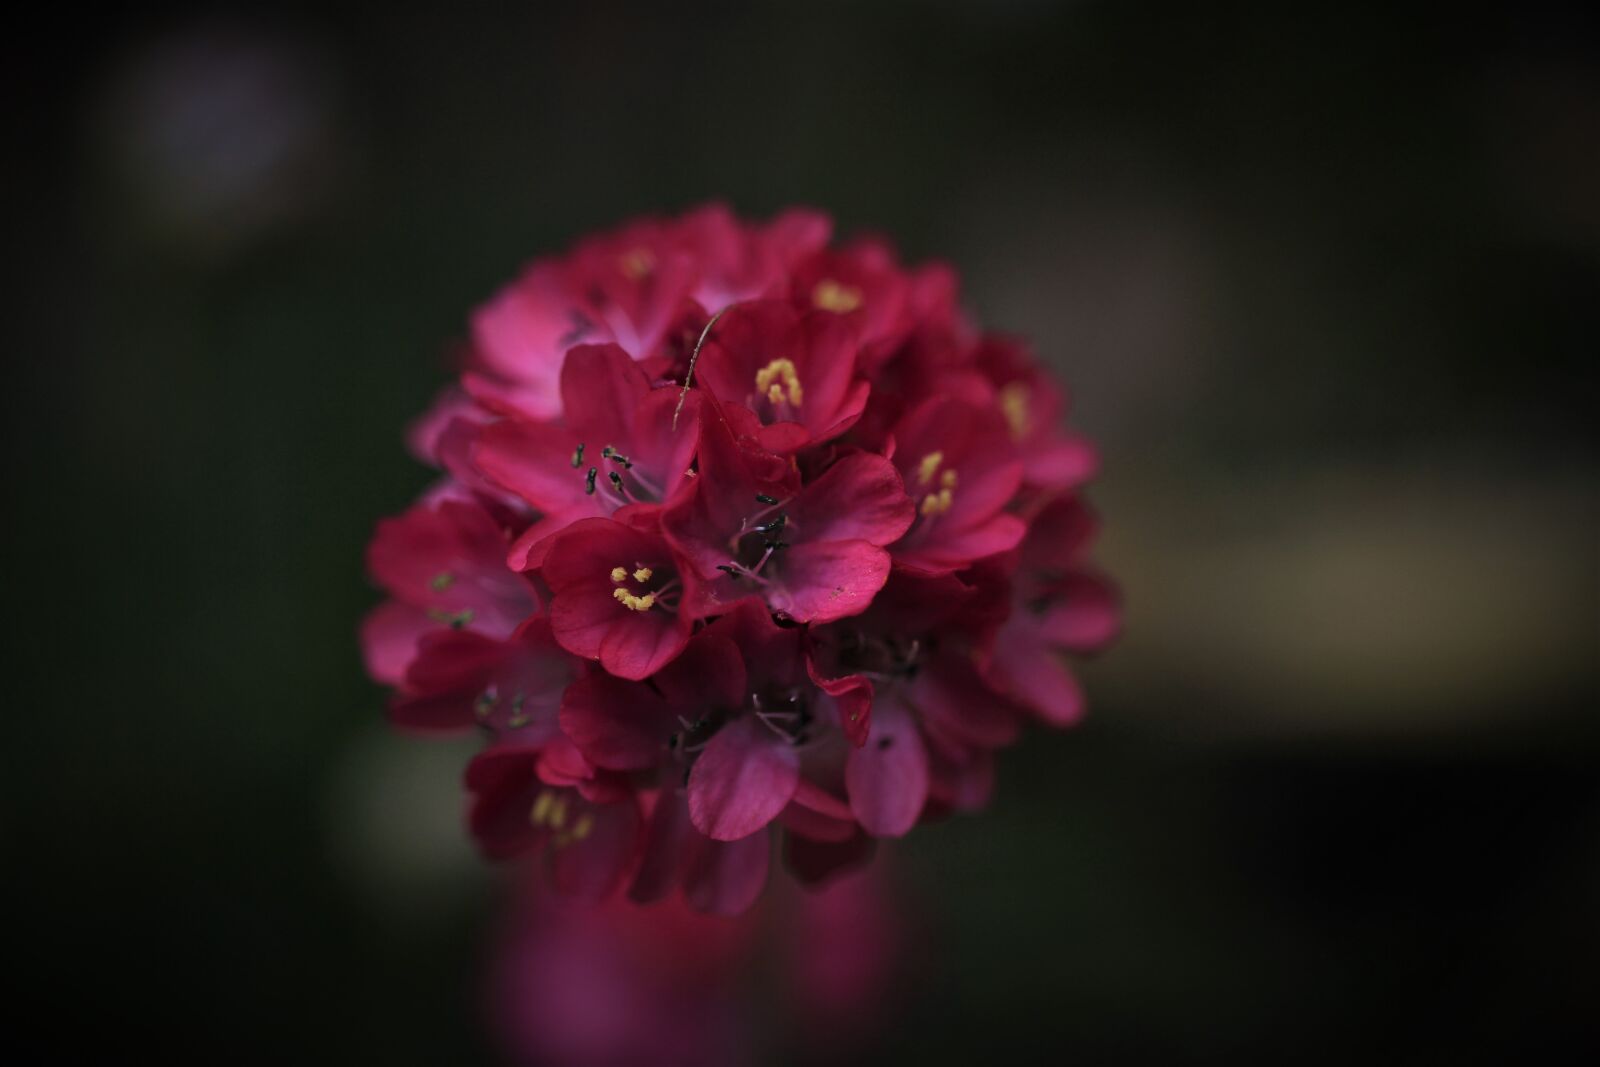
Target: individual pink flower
[(962, 469), (619, 443), (522, 805), (811, 552), (1059, 606), (461, 679), (1033, 406), (614, 593), (862, 283), (443, 565), (625, 288), (795, 373)]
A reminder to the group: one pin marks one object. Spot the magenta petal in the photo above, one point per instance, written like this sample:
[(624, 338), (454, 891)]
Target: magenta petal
[(945, 551), (1061, 464), (1087, 617), (726, 877), (852, 697), (614, 723), (528, 551), (828, 581), (560, 763), (859, 498), (583, 617), (850, 409), (389, 636), (821, 801), (743, 778), (533, 460), (959, 713), (1036, 676), (640, 644), (600, 387), (888, 777)]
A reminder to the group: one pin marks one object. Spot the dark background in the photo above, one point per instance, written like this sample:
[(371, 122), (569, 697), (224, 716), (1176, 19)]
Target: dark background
[(1324, 278)]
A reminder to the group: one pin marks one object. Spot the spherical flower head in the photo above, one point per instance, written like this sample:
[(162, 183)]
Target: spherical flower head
[(744, 546)]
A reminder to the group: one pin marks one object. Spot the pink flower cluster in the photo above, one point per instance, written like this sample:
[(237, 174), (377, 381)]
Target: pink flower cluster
[(744, 539)]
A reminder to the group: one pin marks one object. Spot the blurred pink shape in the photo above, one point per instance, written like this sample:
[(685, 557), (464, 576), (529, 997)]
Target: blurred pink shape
[(585, 984)]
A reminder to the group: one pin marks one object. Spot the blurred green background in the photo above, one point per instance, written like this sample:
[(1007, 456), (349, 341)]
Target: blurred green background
[(1325, 279)]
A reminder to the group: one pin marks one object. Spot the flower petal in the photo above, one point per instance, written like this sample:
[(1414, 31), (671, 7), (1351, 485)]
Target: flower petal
[(888, 777), (742, 780)]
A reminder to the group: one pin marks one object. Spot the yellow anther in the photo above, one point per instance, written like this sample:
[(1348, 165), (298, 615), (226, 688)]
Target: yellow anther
[(581, 828), (642, 574), (541, 808), (637, 263), (634, 603), (619, 574), (948, 479), (778, 380), (935, 504), (558, 812), (929, 467), (829, 295), (1014, 400)]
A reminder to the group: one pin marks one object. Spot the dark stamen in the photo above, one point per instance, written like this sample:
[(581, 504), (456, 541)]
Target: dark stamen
[(588, 481), (453, 619), (616, 457), (762, 498), (577, 456), (616, 482)]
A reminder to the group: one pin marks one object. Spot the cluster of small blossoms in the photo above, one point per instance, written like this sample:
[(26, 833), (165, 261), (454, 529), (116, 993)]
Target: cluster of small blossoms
[(744, 542)]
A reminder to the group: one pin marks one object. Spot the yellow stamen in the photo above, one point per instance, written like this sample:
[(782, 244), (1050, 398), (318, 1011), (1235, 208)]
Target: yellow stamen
[(829, 295), (619, 574), (929, 467), (935, 504), (558, 813), (634, 603), (580, 829), (642, 574), (948, 479), (1014, 405), (778, 378), (638, 263), (541, 808)]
